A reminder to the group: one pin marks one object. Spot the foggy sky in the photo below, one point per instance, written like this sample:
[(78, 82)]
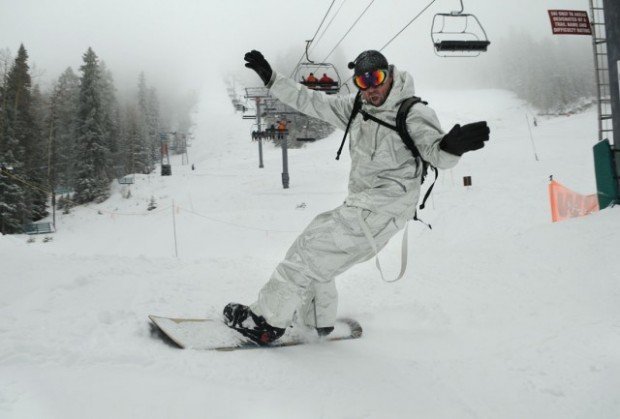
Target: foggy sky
[(190, 43)]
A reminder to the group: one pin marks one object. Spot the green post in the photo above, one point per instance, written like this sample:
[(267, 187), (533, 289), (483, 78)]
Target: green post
[(606, 177)]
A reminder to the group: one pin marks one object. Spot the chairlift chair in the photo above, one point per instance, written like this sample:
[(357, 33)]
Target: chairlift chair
[(458, 34), (306, 138), (262, 134), (303, 69), (126, 180)]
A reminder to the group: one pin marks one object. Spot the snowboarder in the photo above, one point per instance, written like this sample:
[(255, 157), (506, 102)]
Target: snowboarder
[(384, 187)]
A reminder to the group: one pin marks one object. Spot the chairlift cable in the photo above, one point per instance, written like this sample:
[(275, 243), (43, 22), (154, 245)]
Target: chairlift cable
[(328, 25), (400, 31), (322, 21), (407, 25), (317, 31), (347, 33)]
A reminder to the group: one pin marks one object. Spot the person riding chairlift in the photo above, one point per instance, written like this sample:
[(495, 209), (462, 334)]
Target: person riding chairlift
[(281, 129), (326, 79), (312, 79)]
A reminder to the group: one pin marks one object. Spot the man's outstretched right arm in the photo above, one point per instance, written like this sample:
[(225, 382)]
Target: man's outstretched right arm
[(334, 110)]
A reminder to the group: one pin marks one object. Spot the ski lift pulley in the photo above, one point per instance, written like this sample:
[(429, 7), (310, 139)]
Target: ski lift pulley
[(458, 34)]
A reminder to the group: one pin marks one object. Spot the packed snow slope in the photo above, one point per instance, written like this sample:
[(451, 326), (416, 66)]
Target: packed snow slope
[(502, 314)]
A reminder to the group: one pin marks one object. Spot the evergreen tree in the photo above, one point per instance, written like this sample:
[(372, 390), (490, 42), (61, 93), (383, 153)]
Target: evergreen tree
[(553, 75), (21, 197), (5, 66), (11, 202), (37, 158), (149, 122), (135, 147), (153, 124), (62, 129), (184, 111), (110, 118), (92, 182)]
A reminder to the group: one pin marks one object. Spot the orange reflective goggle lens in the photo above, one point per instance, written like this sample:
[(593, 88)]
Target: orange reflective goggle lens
[(370, 79)]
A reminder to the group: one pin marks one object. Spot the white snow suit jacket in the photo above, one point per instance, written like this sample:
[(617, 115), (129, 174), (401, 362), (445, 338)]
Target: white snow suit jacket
[(384, 177)]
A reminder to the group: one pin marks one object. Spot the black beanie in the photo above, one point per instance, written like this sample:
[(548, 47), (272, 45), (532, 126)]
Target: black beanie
[(368, 61)]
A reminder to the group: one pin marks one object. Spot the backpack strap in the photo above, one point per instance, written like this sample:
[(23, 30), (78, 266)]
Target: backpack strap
[(401, 128), (357, 105), (368, 116), (401, 125)]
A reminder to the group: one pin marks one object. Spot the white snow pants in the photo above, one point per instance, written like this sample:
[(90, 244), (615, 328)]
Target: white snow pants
[(304, 282)]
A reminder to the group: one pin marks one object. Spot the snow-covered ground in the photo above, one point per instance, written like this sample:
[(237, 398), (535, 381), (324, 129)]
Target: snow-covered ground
[(502, 314)]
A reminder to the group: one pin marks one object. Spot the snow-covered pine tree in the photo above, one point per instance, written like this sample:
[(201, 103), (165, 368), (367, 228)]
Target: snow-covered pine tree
[(92, 182), (149, 118), (11, 202), (17, 137), (554, 75), (153, 123), (37, 157), (110, 118), (135, 147), (5, 66), (10, 192), (62, 129), (185, 107)]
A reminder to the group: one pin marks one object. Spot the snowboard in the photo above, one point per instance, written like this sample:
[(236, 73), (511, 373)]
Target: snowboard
[(213, 334)]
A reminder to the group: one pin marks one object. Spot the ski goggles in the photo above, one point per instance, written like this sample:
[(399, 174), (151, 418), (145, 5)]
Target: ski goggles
[(370, 79)]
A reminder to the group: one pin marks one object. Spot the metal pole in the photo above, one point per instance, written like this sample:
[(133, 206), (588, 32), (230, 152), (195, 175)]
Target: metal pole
[(163, 143), (51, 174), (260, 141), (597, 76), (53, 208), (174, 229), (285, 177), (527, 120), (612, 36)]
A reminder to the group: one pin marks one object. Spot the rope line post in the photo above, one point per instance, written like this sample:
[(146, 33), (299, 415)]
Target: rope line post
[(527, 119), (285, 175), (174, 229), (260, 140)]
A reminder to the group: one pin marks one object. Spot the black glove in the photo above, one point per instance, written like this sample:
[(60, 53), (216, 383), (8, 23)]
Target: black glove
[(257, 62), (462, 139)]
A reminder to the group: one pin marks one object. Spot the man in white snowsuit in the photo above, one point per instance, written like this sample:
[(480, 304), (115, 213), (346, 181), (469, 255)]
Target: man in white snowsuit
[(384, 187)]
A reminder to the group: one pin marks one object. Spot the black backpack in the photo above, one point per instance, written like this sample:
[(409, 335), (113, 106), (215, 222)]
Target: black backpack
[(401, 129)]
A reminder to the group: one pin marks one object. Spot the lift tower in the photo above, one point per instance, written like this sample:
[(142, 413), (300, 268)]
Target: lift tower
[(606, 44)]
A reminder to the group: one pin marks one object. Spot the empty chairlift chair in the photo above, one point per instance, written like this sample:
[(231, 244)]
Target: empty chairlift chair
[(458, 34)]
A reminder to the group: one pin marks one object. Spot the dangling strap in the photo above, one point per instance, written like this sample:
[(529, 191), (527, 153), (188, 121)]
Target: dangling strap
[(373, 245), (429, 190), (357, 105)]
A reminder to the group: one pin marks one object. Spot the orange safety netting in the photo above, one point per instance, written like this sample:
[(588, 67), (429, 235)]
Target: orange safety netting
[(568, 204)]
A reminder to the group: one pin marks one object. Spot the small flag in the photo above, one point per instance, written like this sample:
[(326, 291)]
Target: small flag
[(568, 204)]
